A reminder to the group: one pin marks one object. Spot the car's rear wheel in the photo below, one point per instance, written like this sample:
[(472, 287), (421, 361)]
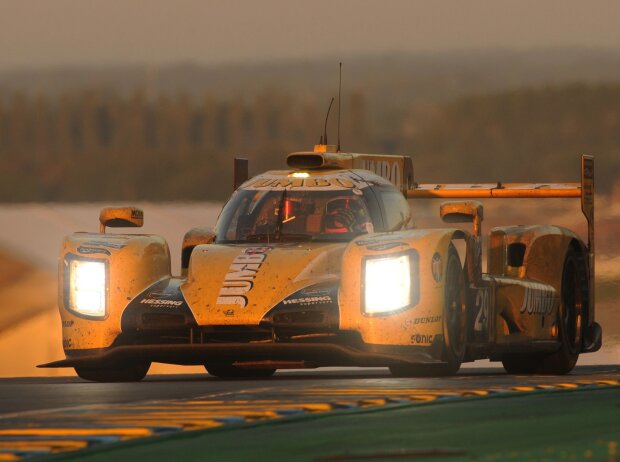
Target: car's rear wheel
[(570, 326), (521, 363), (570, 318), (454, 331), (133, 372), (230, 371)]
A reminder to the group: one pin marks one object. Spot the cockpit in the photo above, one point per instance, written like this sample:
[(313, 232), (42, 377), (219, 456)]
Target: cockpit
[(287, 215)]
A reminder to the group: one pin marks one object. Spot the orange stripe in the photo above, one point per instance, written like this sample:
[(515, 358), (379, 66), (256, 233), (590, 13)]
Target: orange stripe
[(52, 445), (124, 431)]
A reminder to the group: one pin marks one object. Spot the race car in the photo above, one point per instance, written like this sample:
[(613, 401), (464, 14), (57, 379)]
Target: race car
[(320, 264)]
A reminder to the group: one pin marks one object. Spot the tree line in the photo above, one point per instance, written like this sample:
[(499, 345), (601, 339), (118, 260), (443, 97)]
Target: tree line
[(95, 144)]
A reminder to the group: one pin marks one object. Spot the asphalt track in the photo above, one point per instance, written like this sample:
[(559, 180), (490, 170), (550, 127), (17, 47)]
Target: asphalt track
[(35, 394), (39, 416)]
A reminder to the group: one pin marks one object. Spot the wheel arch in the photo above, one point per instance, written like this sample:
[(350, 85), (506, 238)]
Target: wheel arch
[(544, 249), (133, 263), (534, 252), (431, 247)]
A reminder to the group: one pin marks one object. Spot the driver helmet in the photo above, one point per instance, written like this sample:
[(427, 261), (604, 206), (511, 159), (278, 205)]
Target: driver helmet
[(345, 215)]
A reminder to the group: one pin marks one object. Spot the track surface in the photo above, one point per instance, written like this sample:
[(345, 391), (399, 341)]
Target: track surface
[(32, 394), (46, 416)]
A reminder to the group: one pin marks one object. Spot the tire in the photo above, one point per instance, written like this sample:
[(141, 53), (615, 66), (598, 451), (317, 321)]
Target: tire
[(570, 319), (228, 371), (413, 370), (521, 364), (570, 326), (130, 373), (454, 329)]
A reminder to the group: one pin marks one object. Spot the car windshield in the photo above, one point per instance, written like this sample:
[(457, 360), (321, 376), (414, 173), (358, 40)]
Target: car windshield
[(288, 216)]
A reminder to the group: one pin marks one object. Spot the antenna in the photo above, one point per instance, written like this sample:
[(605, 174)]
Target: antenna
[(324, 138), (339, 93)]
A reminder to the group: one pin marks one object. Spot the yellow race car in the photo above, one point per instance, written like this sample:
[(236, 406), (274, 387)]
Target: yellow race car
[(320, 265)]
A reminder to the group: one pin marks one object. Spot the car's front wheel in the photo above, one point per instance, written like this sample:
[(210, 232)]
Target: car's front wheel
[(230, 371), (133, 372), (454, 331)]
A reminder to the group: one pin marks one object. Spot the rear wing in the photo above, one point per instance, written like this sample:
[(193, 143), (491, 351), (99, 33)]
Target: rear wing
[(583, 190)]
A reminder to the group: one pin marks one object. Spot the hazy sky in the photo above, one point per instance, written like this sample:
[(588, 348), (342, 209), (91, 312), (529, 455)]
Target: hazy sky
[(96, 32)]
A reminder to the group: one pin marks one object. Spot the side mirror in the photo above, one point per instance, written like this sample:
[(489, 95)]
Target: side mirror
[(463, 212), (120, 217), (192, 238)]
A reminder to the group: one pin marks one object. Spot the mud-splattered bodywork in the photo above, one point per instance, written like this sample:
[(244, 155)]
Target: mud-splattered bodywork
[(304, 301)]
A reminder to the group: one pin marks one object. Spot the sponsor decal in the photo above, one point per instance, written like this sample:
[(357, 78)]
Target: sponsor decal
[(92, 250), (308, 300), (67, 323), (315, 291), (163, 294), (256, 250), (588, 169), (386, 246), (427, 320), (306, 183), (160, 302), (421, 320), (312, 296), (109, 245), (66, 343), (137, 214), (229, 313), (422, 338), (165, 298), (538, 299), (437, 267), (391, 171), (375, 240), (240, 276), (482, 304)]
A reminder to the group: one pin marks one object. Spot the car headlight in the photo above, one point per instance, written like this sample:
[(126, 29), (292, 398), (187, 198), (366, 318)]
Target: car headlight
[(87, 287), (387, 284)]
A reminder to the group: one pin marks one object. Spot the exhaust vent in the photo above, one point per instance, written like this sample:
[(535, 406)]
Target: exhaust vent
[(319, 160)]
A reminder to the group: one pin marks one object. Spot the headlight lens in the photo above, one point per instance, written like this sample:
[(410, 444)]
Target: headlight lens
[(87, 287), (387, 284)]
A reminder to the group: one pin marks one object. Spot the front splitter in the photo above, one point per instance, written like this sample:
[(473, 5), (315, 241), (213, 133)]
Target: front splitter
[(318, 354)]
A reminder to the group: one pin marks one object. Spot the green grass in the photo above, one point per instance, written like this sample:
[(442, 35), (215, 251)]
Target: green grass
[(543, 426)]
